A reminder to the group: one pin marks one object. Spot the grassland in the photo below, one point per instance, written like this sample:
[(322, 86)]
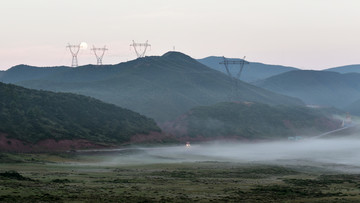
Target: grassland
[(82, 178)]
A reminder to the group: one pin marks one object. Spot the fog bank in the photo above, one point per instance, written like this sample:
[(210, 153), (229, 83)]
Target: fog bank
[(316, 152)]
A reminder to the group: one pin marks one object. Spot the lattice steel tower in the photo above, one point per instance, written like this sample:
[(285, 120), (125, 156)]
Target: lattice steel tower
[(234, 79), (99, 56), (140, 53), (74, 50)]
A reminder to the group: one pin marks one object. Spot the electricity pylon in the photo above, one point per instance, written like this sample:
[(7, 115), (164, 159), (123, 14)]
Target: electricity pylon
[(234, 79), (140, 53), (100, 56), (74, 50)]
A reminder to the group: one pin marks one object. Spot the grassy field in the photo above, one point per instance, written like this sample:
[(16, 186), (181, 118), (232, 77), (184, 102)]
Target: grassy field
[(83, 178)]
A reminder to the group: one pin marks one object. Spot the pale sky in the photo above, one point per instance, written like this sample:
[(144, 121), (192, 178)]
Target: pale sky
[(308, 34)]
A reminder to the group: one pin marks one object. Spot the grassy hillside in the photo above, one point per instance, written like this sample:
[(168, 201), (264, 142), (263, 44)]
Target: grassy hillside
[(251, 73), (160, 87), (322, 88), (32, 115), (253, 121)]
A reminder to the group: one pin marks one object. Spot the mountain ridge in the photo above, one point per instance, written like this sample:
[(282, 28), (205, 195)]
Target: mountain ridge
[(324, 88), (160, 87)]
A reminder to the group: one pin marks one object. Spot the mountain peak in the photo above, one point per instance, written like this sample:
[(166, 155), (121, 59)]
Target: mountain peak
[(176, 55)]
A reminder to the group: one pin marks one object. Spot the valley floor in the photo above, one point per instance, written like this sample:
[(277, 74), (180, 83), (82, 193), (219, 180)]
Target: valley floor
[(83, 178)]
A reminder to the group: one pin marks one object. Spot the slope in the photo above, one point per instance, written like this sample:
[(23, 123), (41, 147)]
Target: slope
[(251, 73), (251, 121), (32, 116), (322, 88), (161, 87)]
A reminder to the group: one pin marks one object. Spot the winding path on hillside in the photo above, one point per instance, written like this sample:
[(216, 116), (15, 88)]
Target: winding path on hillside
[(334, 131)]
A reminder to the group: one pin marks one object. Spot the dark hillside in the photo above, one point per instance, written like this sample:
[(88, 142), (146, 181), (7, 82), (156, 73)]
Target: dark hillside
[(32, 116), (252, 121)]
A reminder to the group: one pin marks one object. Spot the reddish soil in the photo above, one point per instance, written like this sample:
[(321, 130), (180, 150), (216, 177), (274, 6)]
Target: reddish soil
[(14, 145), (8, 144)]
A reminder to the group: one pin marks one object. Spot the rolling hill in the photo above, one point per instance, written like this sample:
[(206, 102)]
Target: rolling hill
[(160, 87), (31, 116), (251, 72), (321, 88), (251, 121), (345, 69)]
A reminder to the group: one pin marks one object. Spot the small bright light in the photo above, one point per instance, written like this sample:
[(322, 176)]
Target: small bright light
[(83, 45)]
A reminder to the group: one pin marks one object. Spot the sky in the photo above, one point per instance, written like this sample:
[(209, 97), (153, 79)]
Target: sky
[(307, 34)]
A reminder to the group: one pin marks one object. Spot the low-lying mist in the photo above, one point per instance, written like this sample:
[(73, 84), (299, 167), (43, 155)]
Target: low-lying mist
[(336, 152)]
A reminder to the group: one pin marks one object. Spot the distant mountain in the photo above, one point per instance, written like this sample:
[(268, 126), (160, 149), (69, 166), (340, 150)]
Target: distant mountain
[(251, 121), (25, 72), (32, 116), (161, 87), (322, 88), (345, 69), (251, 72)]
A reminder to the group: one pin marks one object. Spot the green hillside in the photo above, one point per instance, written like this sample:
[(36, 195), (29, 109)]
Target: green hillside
[(160, 87), (253, 121), (322, 88), (32, 115)]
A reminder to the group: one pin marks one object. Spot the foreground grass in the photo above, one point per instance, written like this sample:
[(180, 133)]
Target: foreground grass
[(70, 178)]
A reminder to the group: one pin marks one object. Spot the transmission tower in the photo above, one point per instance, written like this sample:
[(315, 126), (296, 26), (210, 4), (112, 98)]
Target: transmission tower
[(100, 56), (234, 79), (140, 53), (74, 50)]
